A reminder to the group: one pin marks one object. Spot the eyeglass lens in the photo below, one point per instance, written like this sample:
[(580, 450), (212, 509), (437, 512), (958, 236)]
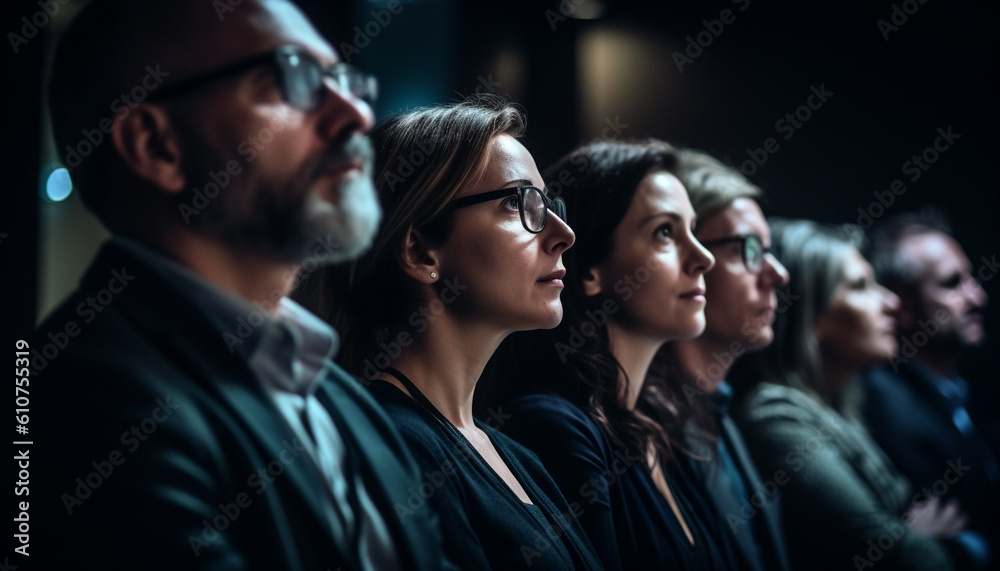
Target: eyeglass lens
[(753, 253), (534, 210), (302, 81)]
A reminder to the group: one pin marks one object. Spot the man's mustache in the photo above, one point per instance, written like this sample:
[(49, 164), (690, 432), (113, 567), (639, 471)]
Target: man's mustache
[(352, 147)]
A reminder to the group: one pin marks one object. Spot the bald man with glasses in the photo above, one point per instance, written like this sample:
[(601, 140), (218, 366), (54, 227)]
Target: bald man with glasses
[(192, 417)]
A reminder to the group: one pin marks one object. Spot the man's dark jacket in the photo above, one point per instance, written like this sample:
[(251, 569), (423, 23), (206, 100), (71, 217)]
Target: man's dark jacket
[(155, 447)]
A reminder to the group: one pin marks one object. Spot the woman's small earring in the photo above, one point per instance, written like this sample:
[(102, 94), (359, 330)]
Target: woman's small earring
[(433, 275)]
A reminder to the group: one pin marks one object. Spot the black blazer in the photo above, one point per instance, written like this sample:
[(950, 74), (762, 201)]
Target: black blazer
[(912, 421), (157, 448), (764, 512)]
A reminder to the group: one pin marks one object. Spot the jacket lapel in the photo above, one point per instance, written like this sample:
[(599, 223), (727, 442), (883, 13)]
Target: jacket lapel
[(180, 328), (382, 471)]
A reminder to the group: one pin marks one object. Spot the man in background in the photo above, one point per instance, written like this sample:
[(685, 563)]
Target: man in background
[(916, 407)]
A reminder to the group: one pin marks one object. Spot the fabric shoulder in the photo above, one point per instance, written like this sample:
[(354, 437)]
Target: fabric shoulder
[(537, 418), (769, 402), (420, 429)]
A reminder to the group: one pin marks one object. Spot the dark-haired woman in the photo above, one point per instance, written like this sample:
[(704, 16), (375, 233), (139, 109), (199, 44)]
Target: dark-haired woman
[(470, 251), (845, 506), (634, 280)]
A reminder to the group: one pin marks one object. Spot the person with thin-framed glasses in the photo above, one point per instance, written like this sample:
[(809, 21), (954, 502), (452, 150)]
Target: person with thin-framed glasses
[(574, 394), (471, 251), (742, 298)]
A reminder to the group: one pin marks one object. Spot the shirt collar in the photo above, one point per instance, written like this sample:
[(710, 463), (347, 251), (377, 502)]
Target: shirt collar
[(722, 397), (955, 389), (293, 344)]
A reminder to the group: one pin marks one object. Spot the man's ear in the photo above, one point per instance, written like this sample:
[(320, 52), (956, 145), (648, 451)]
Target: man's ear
[(418, 259), (592, 282), (146, 140)]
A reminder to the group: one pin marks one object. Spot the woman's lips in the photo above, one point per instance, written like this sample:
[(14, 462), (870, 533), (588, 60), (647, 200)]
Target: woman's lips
[(697, 294), (555, 278)]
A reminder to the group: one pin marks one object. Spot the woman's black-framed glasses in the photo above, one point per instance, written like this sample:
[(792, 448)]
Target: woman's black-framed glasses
[(532, 203), (752, 248), (300, 76)]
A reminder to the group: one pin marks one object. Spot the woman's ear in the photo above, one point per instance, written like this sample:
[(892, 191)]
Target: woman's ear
[(147, 142), (592, 282), (418, 259)]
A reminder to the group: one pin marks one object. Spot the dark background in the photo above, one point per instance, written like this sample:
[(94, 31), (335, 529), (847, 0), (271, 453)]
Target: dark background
[(890, 96)]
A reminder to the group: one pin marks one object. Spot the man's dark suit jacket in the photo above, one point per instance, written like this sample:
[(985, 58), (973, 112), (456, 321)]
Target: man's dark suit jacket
[(157, 448), (912, 421)]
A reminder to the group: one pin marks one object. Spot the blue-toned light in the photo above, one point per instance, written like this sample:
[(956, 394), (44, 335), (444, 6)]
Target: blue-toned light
[(59, 185)]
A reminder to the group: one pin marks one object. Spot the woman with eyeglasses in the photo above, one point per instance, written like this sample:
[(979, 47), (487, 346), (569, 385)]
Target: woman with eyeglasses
[(844, 504), (741, 292), (634, 280), (470, 251)]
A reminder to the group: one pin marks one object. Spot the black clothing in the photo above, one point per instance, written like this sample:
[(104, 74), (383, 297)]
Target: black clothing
[(158, 448), (613, 493), (486, 525), (749, 505)]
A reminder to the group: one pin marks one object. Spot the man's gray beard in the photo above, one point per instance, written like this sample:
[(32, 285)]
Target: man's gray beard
[(346, 230), (283, 225)]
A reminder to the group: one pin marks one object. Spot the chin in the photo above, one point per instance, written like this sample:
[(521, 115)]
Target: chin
[(549, 320), (759, 339), (694, 329)]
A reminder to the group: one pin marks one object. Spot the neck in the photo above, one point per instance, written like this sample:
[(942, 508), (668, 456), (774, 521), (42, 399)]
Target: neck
[(944, 365), (705, 361), (835, 376), (635, 353), (257, 279), (445, 363)]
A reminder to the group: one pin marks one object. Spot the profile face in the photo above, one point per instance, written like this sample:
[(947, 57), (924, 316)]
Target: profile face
[(655, 272), (511, 279), (298, 179), (946, 291), (741, 303), (858, 328)]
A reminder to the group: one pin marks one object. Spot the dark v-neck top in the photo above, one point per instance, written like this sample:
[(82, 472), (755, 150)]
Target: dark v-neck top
[(614, 495), (483, 522)]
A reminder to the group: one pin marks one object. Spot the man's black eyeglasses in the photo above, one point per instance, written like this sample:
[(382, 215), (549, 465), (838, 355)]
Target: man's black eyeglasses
[(532, 203), (301, 77), (752, 248)]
